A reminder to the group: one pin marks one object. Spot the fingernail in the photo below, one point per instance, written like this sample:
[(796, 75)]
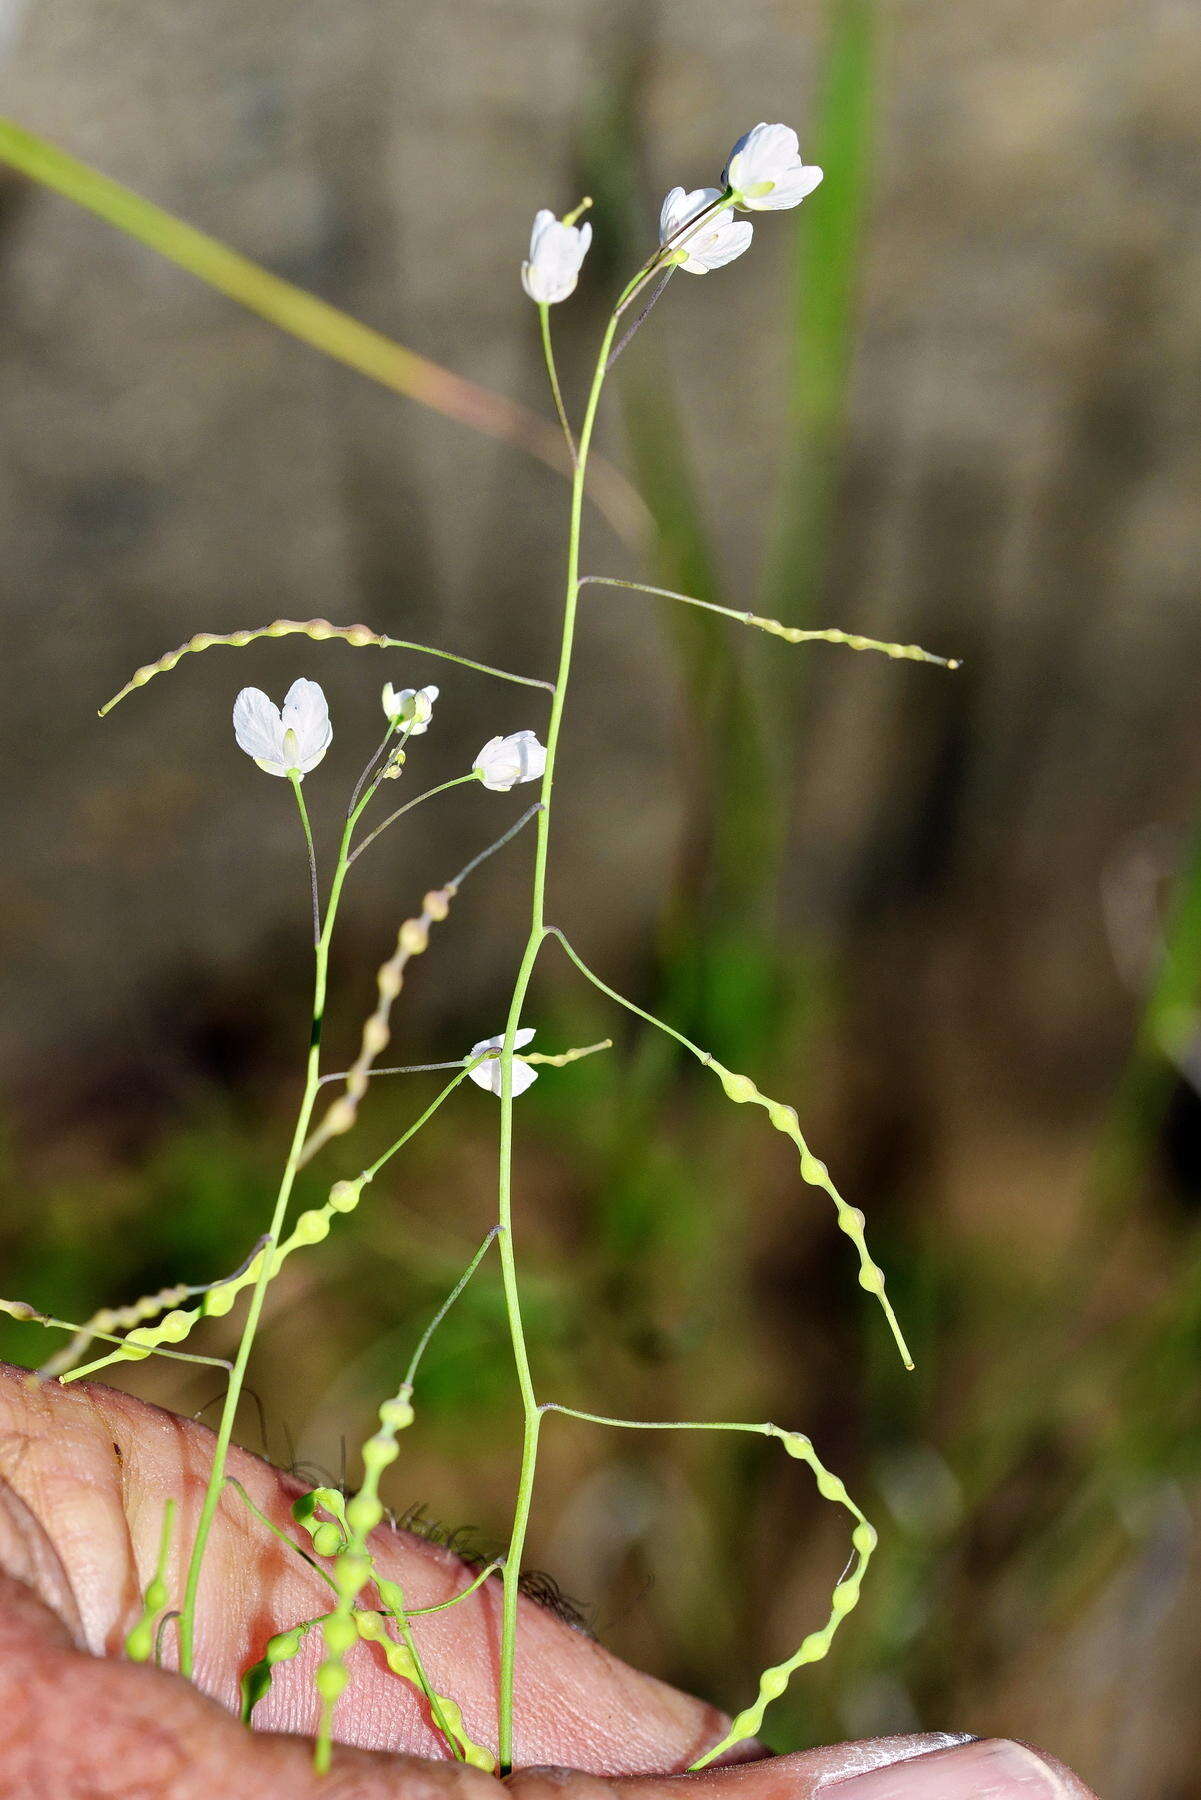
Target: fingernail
[(984, 1769)]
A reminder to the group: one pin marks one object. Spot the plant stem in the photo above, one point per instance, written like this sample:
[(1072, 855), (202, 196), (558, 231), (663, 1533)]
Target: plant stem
[(456, 781), (549, 353), (427, 1334), (531, 1416), (295, 779), (233, 1393)]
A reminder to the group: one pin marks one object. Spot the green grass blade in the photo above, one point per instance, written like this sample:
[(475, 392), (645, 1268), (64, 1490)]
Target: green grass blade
[(315, 322), (829, 230), (1169, 1024)]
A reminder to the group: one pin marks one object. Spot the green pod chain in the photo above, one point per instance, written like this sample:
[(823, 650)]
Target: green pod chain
[(743, 1091), (24, 1314), (401, 1662), (791, 634), (843, 1599), (311, 1227), (845, 1595), (319, 631), (353, 1569), (411, 940), (328, 1537), (256, 1682), (139, 1643)]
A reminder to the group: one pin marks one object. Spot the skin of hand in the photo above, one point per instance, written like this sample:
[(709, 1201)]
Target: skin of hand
[(84, 1476)]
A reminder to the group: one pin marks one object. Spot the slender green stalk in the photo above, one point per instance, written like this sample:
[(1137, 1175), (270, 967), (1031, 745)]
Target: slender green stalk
[(792, 634), (408, 806), (370, 1173), (743, 1091), (295, 779), (427, 1334), (233, 1393), (531, 1416), (549, 353)]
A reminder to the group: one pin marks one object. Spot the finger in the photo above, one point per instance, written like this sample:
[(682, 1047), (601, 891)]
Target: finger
[(94, 1469), (89, 1472), (76, 1725), (926, 1766), (111, 1729)]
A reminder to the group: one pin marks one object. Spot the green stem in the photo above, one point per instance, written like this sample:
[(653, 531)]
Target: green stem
[(531, 1415), (553, 373), (373, 1169), (742, 1090), (792, 634), (408, 806), (233, 1393), (295, 779), (455, 1292)]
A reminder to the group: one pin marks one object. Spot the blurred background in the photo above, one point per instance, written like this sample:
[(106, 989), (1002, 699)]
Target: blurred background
[(956, 918)]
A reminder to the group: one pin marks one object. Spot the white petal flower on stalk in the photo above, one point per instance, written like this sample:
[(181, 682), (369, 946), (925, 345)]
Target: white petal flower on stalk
[(766, 172), (291, 742), (409, 708), (487, 1074), (504, 761), (556, 253), (718, 241)]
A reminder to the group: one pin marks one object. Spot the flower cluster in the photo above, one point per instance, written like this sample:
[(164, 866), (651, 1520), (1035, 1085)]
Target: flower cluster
[(697, 229), (292, 741)]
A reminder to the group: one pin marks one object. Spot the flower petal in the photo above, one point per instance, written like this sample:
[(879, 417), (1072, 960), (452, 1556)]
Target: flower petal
[(722, 246), (523, 1077), (679, 207), (543, 218), (793, 187), (258, 728), (306, 713), (487, 1075), (531, 755), (556, 252)]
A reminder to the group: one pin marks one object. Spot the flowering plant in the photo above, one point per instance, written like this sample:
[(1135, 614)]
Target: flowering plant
[(698, 232)]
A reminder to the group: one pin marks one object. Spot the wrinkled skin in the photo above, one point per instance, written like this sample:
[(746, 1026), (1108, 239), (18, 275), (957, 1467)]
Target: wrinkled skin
[(84, 1473)]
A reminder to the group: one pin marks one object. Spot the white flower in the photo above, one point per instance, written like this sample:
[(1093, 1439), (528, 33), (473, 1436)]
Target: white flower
[(718, 241), (411, 707), (488, 1074), (766, 172), (556, 252), (291, 742), (504, 761)]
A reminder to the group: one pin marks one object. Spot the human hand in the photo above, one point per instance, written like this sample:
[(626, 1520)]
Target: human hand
[(84, 1475)]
